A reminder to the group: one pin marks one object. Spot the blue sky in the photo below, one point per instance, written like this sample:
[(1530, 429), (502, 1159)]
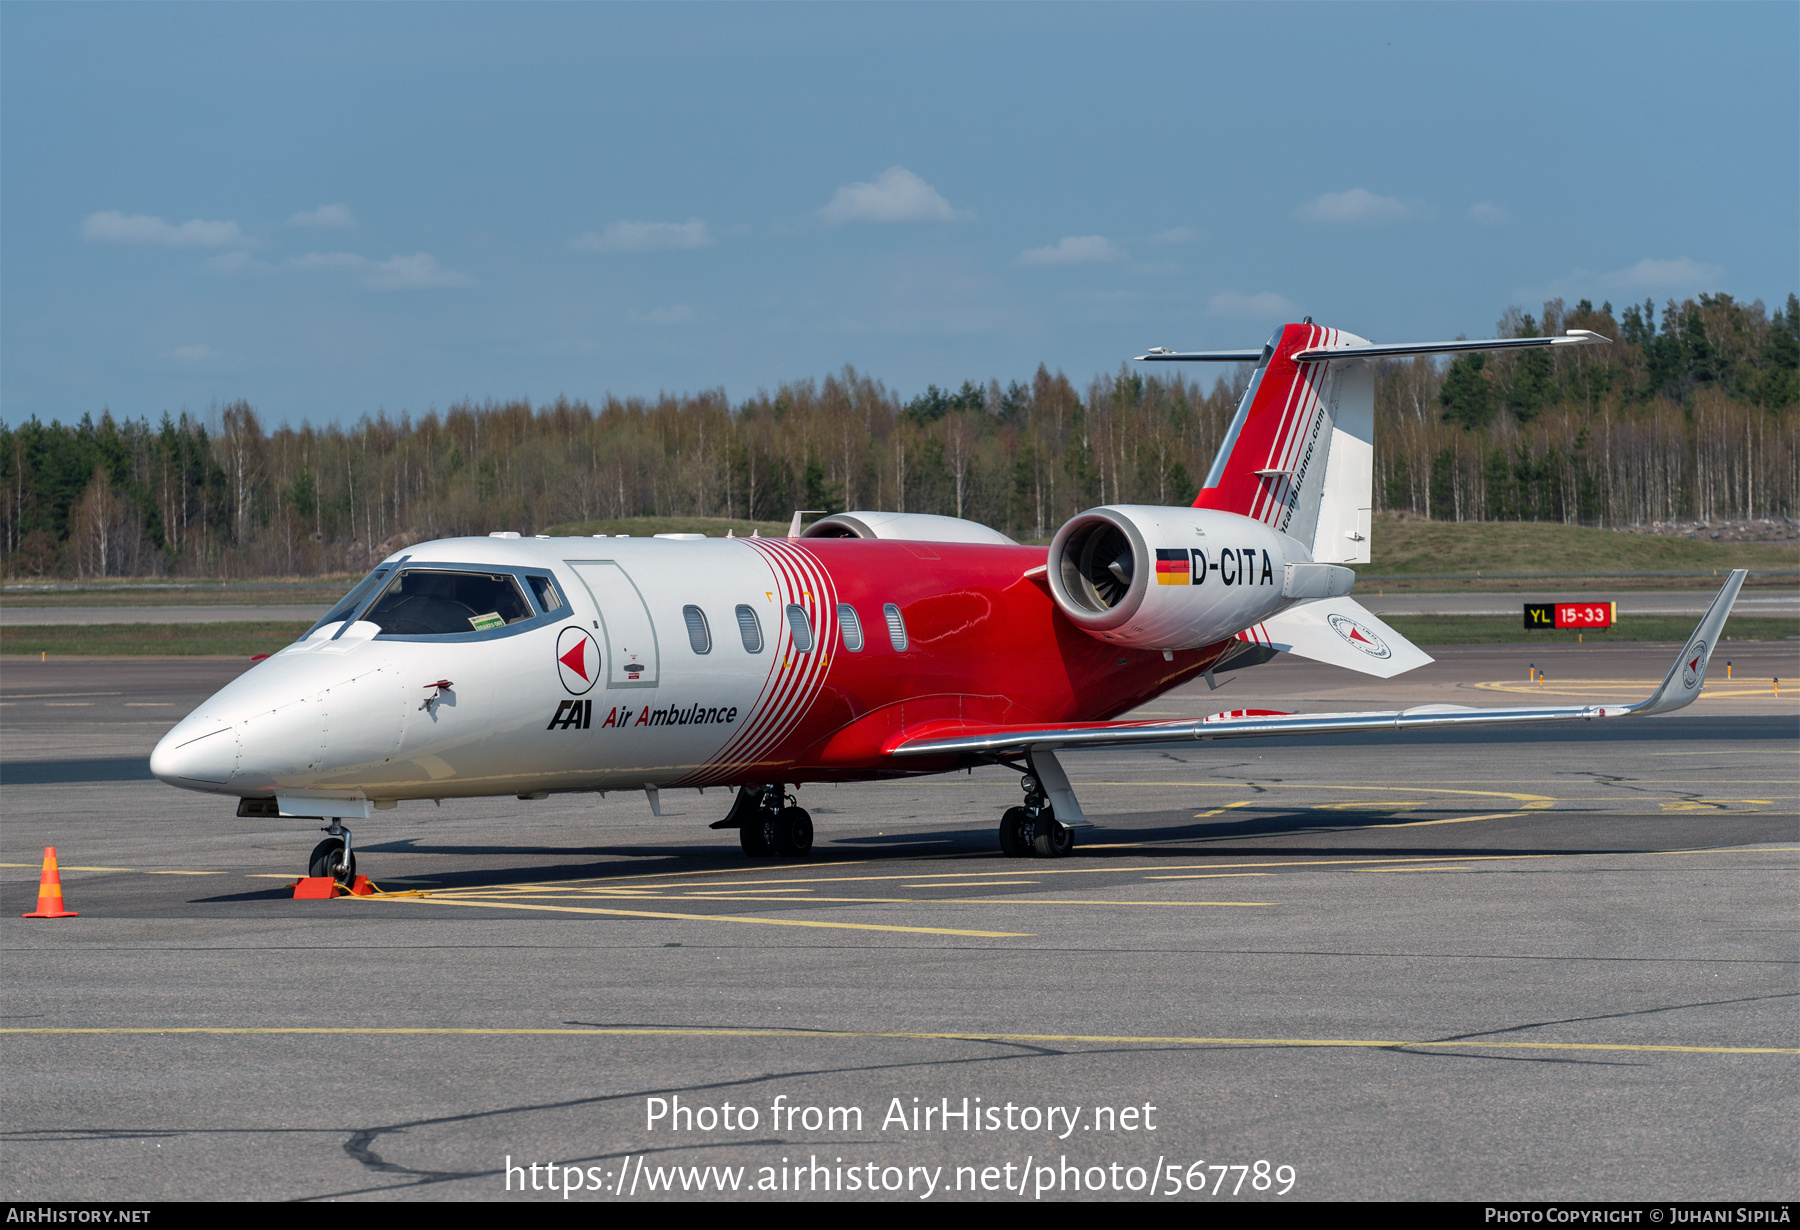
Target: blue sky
[(333, 209)]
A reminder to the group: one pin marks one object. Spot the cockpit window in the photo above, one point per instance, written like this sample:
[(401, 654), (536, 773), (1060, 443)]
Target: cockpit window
[(438, 602), (348, 604), (545, 589)]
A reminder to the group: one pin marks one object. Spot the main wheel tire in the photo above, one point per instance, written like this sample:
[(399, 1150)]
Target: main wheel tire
[(1015, 833), (327, 857), (758, 834), (1053, 840), (794, 831)]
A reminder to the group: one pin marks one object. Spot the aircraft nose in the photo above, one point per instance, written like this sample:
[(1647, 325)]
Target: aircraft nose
[(200, 752)]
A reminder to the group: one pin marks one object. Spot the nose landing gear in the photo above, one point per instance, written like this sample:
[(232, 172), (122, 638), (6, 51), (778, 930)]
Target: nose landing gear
[(1032, 830), (333, 857)]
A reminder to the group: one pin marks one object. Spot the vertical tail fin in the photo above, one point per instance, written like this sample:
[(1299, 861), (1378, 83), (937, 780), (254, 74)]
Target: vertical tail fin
[(1299, 455)]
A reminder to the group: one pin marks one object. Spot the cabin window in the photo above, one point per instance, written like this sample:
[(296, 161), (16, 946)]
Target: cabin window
[(801, 628), (896, 627), (440, 602), (699, 635), (850, 626), (749, 629), (547, 594)]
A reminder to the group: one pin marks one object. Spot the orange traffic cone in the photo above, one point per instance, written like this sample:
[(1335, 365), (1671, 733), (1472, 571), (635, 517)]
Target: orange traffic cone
[(50, 890)]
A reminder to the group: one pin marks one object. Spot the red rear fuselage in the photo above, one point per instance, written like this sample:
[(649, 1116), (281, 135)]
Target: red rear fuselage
[(986, 645)]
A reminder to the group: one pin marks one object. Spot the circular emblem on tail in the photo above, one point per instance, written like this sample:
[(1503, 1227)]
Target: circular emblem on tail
[(577, 660), (1359, 635), (1693, 665)]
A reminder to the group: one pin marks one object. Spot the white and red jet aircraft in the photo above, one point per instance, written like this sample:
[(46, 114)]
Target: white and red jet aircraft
[(873, 645)]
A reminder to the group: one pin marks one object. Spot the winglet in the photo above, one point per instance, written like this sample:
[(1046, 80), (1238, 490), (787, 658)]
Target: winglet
[(1688, 675)]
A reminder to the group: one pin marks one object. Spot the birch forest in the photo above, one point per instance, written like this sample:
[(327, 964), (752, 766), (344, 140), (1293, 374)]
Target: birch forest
[(1692, 413)]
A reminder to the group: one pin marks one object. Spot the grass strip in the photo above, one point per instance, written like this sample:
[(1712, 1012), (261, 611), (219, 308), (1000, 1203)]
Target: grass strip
[(151, 640), (1409, 544), (1510, 630), (17, 599), (184, 640), (643, 527)]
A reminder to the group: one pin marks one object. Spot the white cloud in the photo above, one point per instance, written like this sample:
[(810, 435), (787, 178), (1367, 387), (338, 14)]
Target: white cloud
[(1265, 305), (1175, 234), (111, 226), (416, 272), (1356, 205), (677, 315), (194, 354), (324, 215), (897, 195), (1073, 250), (1682, 275), (235, 262), (1487, 213), (644, 237), (1676, 275), (326, 260)]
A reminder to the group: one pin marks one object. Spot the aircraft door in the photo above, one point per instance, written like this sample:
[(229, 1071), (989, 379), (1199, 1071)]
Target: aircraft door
[(631, 650)]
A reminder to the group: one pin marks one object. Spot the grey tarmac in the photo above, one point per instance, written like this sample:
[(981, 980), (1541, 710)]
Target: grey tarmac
[(1542, 964)]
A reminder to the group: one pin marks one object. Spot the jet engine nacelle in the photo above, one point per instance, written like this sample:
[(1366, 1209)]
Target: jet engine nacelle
[(911, 527), (1174, 578)]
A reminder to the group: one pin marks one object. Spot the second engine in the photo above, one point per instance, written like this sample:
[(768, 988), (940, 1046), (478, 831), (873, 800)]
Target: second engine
[(1175, 578)]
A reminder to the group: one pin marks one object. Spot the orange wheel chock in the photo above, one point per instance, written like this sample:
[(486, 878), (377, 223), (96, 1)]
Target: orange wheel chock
[(317, 888)]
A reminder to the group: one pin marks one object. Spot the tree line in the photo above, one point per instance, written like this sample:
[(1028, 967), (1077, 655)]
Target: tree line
[(1693, 414)]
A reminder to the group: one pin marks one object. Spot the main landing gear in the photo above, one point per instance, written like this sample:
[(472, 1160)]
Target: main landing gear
[(769, 823), (333, 857), (1031, 831)]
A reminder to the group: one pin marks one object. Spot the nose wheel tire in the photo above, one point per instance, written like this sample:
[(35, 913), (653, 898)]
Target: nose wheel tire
[(794, 831), (328, 860), (758, 834)]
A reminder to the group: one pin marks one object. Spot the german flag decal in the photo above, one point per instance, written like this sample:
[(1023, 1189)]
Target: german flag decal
[(1172, 567)]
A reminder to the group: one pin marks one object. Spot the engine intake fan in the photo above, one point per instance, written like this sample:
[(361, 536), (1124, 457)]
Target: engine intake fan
[(1175, 578), (1097, 571)]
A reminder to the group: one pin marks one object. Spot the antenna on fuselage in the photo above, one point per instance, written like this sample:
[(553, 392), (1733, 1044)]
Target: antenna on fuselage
[(794, 529)]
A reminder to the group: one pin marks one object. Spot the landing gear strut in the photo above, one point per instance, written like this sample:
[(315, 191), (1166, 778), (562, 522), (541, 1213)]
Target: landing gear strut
[(333, 857), (1032, 830), (770, 823)]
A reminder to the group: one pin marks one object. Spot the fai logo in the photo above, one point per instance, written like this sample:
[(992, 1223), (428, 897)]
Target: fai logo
[(577, 660), (1359, 635), (1693, 665)]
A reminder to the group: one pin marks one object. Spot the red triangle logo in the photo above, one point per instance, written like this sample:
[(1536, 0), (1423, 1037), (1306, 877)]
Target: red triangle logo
[(1694, 666), (1356, 635), (576, 658)]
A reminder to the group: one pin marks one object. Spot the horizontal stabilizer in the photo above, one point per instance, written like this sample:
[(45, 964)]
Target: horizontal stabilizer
[(1370, 350), (1322, 354), (1339, 631), (1162, 354)]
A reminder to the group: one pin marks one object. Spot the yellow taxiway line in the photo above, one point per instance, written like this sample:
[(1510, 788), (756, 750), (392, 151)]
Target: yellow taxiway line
[(1609, 688), (735, 918), (971, 1036), (1113, 869), (467, 897)]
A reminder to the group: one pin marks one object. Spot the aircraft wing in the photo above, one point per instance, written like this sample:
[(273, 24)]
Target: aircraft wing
[(1573, 337), (1679, 688)]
